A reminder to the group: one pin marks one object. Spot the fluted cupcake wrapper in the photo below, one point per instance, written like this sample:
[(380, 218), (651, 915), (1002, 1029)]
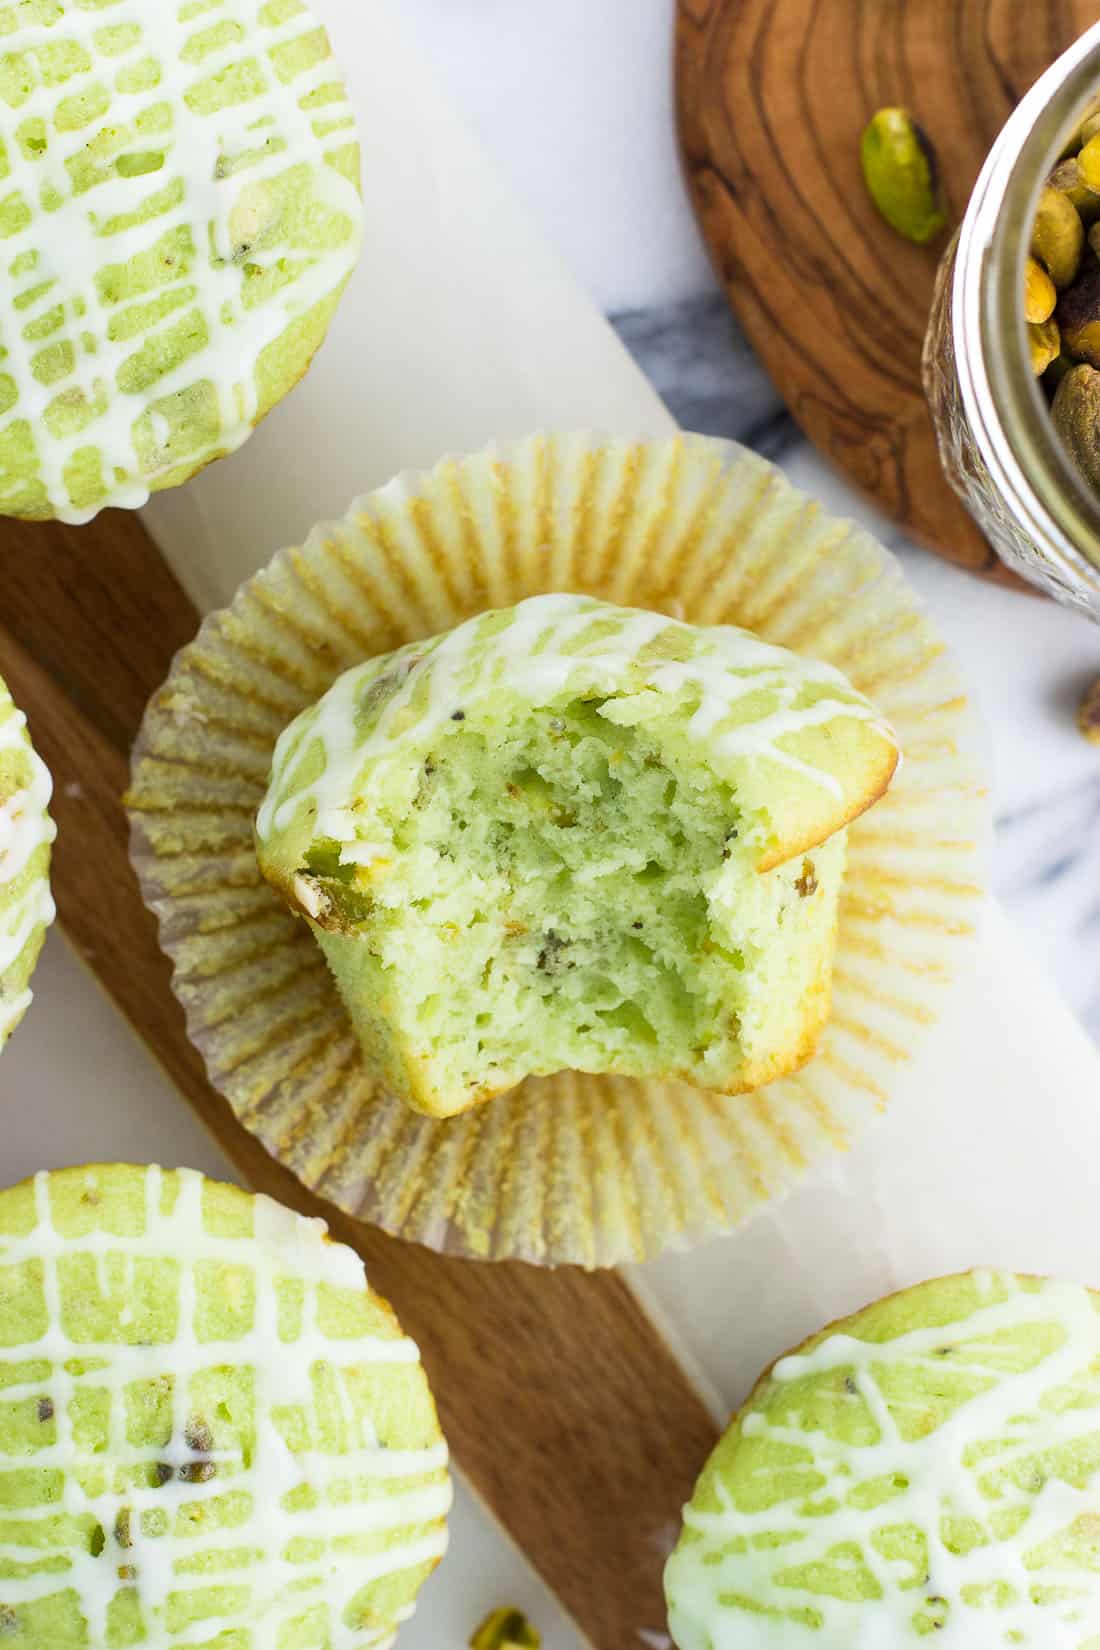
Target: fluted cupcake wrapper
[(570, 1168)]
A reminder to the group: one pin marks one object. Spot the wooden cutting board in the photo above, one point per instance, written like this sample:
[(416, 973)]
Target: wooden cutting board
[(772, 97), (563, 1406)]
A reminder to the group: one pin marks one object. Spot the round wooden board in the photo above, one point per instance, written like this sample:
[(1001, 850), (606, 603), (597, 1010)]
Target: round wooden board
[(772, 98)]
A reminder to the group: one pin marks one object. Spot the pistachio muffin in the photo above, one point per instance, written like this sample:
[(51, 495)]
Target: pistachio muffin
[(568, 835), (26, 832), (179, 215), (212, 1432), (925, 1471)]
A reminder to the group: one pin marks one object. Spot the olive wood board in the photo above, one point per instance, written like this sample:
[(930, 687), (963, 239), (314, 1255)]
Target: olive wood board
[(772, 96), (563, 1406)]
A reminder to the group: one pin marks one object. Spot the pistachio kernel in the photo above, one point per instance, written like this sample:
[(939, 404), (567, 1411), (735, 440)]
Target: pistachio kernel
[(900, 171), (1088, 713), (806, 884), (1040, 293), (1088, 163), (1058, 236), (506, 1629), (1044, 342), (1066, 178), (199, 1440), (1076, 414)]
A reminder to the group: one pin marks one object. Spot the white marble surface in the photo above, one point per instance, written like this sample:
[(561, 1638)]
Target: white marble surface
[(573, 100)]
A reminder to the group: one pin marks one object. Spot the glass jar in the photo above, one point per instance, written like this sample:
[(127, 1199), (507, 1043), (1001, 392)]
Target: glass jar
[(998, 444)]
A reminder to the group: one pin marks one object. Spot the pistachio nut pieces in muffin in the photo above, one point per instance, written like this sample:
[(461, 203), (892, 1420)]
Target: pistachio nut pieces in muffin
[(927, 1471), (211, 1431), (26, 832), (179, 214), (572, 835)]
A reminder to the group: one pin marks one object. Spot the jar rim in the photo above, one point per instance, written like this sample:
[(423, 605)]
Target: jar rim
[(1007, 412)]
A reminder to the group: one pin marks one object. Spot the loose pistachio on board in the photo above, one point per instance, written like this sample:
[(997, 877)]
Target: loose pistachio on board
[(1088, 713), (901, 174), (506, 1629)]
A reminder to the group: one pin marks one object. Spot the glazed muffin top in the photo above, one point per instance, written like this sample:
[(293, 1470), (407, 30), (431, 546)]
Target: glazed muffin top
[(805, 751), (210, 1428), (928, 1469), (180, 212)]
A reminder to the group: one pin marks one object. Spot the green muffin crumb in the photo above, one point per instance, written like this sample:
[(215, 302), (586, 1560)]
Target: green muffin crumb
[(570, 835)]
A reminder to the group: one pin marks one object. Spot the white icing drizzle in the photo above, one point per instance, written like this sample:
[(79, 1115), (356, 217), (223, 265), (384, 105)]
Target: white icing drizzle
[(25, 826), (540, 656), (1054, 1404), (276, 1561), (53, 266)]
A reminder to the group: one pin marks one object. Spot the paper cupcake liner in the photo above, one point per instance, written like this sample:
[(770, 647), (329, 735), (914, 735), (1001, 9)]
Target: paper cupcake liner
[(570, 1168)]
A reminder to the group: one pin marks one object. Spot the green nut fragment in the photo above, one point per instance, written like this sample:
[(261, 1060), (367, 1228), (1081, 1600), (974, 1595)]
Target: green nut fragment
[(506, 1629), (1045, 344), (1088, 713), (1076, 414), (1078, 316), (899, 169), (1066, 178), (1040, 293), (1058, 236)]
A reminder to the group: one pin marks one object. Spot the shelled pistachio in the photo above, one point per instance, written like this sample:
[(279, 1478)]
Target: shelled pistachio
[(900, 171), (1076, 414), (1088, 713), (506, 1629), (1066, 178), (1057, 236), (1088, 163), (1040, 293), (1045, 344)]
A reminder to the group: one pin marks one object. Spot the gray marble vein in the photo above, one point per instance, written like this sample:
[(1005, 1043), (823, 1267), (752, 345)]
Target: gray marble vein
[(700, 364)]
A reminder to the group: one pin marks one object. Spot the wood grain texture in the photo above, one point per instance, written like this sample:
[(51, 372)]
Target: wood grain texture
[(562, 1405), (772, 97)]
